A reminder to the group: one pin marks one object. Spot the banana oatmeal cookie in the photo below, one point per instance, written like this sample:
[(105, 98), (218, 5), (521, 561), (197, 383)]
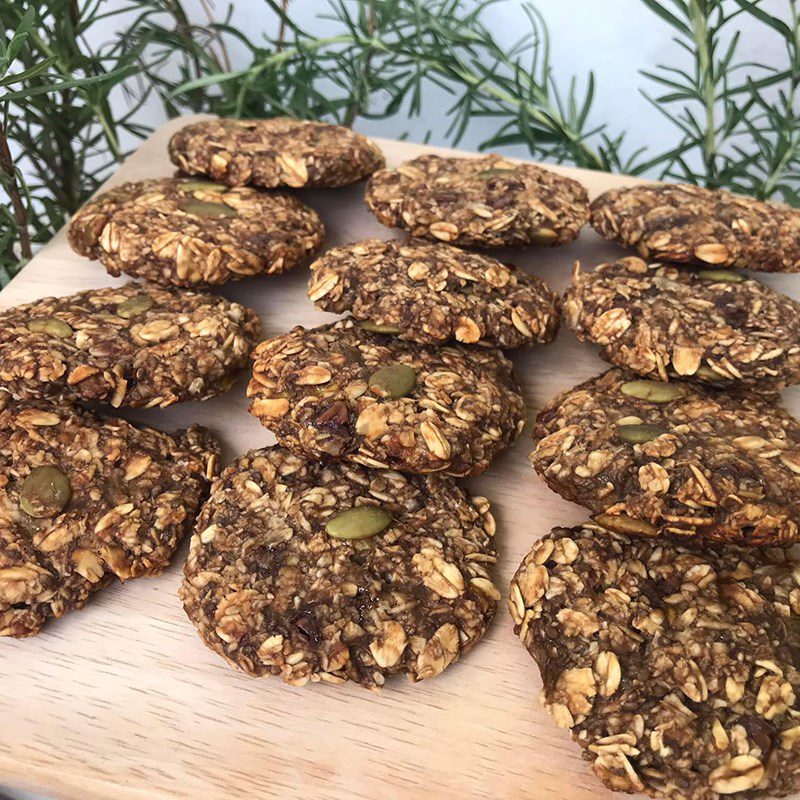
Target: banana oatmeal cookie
[(340, 391), (481, 202), (84, 500), (139, 345), (188, 232), (675, 669), (433, 293), (666, 321), (677, 459), (274, 152), (685, 223), (333, 572)]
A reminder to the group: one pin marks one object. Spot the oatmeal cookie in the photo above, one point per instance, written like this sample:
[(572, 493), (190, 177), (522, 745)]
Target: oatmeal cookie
[(675, 459), (340, 391), (332, 572), (274, 152), (685, 223), (675, 669), (481, 202), (84, 500), (189, 232), (140, 345), (666, 321), (433, 293)]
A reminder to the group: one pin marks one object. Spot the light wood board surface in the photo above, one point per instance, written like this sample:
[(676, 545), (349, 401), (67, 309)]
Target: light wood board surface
[(122, 701)]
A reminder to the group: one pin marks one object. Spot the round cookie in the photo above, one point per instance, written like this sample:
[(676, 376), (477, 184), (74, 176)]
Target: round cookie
[(675, 669), (481, 202), (189, 232), (674, 459), (332, 572), (139, 345), (692, 224), (85, 500), (666, 321), (433, 293), (340, 391), (274, 152)]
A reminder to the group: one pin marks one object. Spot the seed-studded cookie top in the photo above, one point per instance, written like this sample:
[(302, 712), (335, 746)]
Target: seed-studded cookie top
[(85, 499), (685, 223), (674, 458), (675, 669), (139, 345), (274, 152), (331, 571), (485, 202), (188, 232), (432, 293), (664, 321), (340, 391)]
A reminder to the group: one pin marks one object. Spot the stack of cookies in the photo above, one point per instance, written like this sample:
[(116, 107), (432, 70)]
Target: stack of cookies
[(666, 628)]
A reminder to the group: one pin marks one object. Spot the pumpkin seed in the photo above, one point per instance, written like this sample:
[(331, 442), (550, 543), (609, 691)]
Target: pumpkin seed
[(50, 326), (721, 276), (374, 327), (204, 186), (707, 374), (45, 492), (134, 306), (544, 236), (393, 380), (496, 172), (622, 523), (639, 434), (652, 391), (206, 210), (358, 523)]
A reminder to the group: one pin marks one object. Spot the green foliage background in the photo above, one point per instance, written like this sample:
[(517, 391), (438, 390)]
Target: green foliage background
[(736, 123)]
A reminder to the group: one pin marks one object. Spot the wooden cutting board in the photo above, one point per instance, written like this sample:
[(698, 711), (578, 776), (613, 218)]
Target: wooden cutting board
[(122, 701)]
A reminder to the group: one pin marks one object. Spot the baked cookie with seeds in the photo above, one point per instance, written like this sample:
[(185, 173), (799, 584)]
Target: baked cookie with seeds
[(674, 669), (85, 500), (480, 202), (274, 152), (433, 293), (190, 232), (666, 321), (676, 459), (139, 345), (692, 224), (340, 391), (328, 571)]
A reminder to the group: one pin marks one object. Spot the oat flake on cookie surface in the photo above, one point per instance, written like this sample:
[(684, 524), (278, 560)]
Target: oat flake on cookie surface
[(85, 500), (675, 669), (190, 232), (674, 459), (481, 202), (274, 152), (666, 321), (686, 223), (330, 571), (433, 293), (344, 392), (139, 345)]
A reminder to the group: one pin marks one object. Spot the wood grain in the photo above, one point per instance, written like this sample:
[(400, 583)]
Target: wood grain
[(123, 701)]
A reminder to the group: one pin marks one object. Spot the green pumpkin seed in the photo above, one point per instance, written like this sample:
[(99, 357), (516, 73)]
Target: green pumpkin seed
[(545, 236), (622, 523), (44, 492), (639, 434), (205, 210), (496, 172), (721, 276), (652, 391), (707, 374), (374, 327), (134, 306), (204, 186), (358, 523), (51, 326), (393, 380)]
